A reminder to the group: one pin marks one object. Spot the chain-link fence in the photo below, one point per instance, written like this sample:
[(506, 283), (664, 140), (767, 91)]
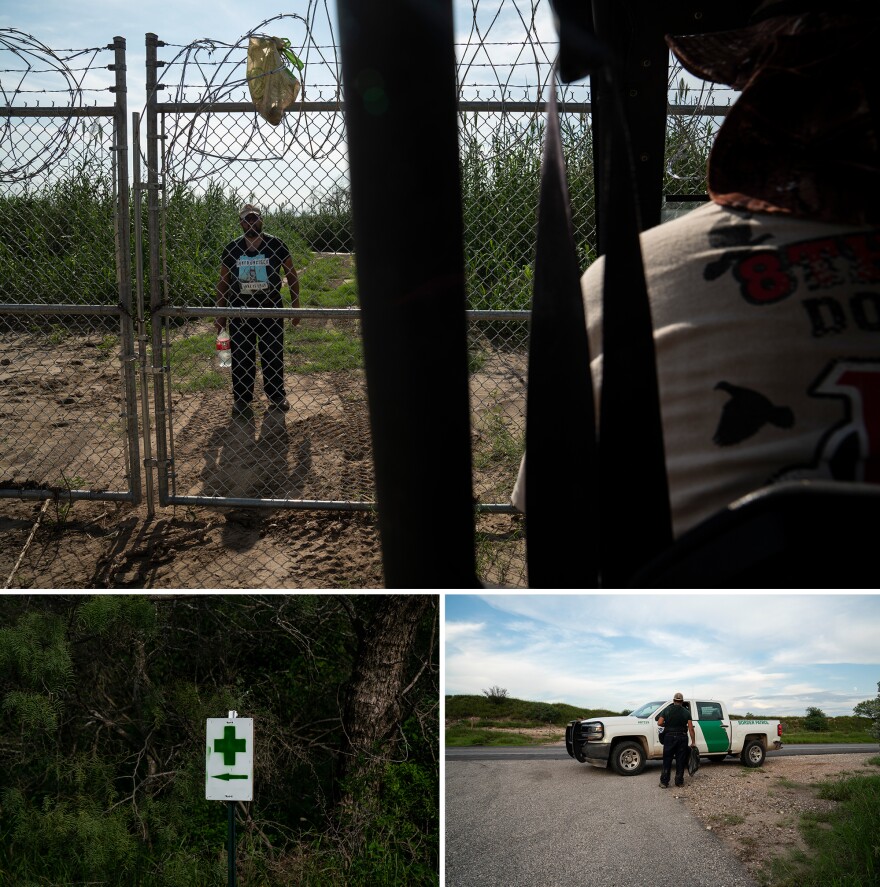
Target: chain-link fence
[(69, 413), (89, 345)]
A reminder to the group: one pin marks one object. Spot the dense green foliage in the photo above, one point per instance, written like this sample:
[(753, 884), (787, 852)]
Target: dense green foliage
[(500, 184), (528, 713), (816, 720), (870, 708), (68, 225), (104, 701), (844, 728), (58, 245)]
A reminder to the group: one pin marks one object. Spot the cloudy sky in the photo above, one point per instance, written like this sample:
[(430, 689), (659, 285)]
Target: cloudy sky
[(61, 25), (764, 653)]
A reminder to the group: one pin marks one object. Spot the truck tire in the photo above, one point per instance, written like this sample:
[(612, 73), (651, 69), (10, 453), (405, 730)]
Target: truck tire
[(753, 754), (628, 758)]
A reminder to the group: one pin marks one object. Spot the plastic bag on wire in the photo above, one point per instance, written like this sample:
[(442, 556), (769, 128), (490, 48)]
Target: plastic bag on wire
[(272, 85)]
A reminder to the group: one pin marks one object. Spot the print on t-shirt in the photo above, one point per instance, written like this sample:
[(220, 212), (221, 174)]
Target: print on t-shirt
[(253, 273), (746, 413)]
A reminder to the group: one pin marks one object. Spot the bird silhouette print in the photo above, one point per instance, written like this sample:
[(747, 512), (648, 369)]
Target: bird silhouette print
[(746, 413), (733, 238)]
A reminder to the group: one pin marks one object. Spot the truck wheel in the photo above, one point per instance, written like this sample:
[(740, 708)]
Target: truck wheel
[(628, 758), (752, 754)]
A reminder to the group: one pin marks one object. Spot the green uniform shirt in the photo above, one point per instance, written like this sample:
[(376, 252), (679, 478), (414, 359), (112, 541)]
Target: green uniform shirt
[(676, 718)]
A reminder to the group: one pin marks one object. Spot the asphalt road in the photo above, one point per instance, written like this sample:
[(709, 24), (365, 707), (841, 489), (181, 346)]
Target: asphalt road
[(533, 817), (558, 752)]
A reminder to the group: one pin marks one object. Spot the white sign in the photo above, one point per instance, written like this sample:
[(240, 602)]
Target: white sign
[(229, 759)]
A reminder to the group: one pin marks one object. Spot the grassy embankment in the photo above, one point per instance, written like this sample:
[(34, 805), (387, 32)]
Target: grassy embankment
[(843, 844), (477, 720)]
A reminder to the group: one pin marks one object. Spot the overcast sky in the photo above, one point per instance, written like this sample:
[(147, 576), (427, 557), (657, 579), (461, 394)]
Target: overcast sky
[(62, 25), (767, 654)]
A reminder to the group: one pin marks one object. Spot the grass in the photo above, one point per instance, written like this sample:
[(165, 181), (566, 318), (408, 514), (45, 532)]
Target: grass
[(843, 844), (510, 715), (189, 373), (69, 223), (321, 351), (468, 706), (328, 282), (516, 713), (193, 368), (458, 736), (831, 737), (496, 445)]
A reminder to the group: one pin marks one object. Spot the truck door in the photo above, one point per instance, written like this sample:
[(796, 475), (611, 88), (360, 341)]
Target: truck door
[(656, 745), (711, 728)]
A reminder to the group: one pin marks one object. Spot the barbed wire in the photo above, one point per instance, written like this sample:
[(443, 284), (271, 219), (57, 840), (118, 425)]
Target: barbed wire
[(22, 160), (517, 49), (192, 144)]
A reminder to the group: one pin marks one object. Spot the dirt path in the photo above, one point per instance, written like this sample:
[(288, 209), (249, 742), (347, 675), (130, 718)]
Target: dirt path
[(107, 546), (64, 427), (756, 812)]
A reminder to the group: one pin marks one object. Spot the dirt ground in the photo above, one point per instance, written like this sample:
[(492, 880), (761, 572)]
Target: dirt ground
[(63, 426), (101, 545)]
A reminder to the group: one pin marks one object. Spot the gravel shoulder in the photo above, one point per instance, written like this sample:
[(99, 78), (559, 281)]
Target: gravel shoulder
[(756, 812)]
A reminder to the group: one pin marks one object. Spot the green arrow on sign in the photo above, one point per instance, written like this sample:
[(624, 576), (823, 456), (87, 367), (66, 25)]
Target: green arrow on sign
[(228, 776)]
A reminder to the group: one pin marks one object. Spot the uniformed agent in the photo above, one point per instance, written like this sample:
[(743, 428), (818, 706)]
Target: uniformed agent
[(676, 723)]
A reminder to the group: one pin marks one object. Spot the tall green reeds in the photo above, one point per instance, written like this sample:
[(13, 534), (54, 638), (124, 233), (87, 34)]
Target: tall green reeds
[(58, 244)]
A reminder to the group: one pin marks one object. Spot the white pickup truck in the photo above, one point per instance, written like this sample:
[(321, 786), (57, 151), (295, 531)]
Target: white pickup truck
[(626, 743)]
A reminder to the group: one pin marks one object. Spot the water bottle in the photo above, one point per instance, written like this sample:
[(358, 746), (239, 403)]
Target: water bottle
[(224, 350)]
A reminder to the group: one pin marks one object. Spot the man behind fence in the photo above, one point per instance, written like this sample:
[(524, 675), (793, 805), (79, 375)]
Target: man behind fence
[(250, 277)]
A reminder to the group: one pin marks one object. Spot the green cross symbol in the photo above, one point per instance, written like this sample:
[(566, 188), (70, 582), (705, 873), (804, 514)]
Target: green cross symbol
[(229, 746)]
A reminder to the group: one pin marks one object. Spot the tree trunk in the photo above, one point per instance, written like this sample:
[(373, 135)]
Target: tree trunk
[(374, 704)]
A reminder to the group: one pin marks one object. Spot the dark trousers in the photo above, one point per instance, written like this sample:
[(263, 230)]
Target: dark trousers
[(676, 746), (244, 333)]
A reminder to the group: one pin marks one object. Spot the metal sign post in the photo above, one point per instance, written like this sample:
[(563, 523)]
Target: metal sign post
[(230, 844), (229, 769)]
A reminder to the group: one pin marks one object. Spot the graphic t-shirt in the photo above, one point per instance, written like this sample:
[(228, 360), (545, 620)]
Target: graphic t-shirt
[(255, 274), (767, 333)]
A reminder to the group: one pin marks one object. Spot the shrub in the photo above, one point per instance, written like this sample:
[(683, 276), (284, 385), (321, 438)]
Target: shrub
[(543, 711), (816, 720)]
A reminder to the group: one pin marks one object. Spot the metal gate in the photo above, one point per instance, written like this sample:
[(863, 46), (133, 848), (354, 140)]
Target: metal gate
[(79, 357), (205, 156), (204, 159), (67, 352)]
